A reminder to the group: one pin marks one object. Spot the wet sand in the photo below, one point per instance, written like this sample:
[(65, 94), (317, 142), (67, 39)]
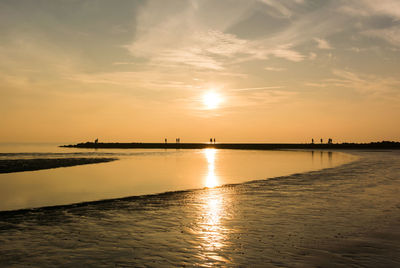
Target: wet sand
[(347, 216), (19, 165)]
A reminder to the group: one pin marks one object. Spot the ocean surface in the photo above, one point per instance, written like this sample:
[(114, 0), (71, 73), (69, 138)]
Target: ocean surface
[(346, 214), (144, 171)]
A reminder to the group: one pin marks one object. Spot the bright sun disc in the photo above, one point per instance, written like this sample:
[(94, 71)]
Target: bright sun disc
[(211, 100)]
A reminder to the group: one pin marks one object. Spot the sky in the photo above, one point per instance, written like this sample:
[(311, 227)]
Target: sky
[(237, 70)]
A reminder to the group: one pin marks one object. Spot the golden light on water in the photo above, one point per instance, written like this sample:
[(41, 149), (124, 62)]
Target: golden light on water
[(211, 178), (211, 100), (211, 212), (211, 228)]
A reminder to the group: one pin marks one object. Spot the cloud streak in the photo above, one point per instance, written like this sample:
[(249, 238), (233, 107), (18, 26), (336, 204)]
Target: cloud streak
[(322, 43)]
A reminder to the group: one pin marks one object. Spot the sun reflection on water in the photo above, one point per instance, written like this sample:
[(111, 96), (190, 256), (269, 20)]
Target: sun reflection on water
[(211, 228), (212, 178), (211, 213)]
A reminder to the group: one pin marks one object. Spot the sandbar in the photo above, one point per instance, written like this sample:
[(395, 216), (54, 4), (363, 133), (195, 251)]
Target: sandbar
[(19, 165)]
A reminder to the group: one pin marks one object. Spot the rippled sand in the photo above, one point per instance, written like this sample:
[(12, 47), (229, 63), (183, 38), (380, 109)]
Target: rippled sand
[(346, 216)]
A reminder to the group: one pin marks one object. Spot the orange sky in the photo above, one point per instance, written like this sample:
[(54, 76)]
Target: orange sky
[(281, 71)]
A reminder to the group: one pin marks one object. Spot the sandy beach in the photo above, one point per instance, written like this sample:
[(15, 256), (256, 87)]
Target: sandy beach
[(19, 165), (346, 216)]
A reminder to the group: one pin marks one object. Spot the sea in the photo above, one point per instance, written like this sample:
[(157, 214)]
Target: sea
[(208, 207)]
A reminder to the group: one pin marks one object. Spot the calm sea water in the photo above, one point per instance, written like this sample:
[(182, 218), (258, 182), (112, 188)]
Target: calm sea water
[(142, 172)]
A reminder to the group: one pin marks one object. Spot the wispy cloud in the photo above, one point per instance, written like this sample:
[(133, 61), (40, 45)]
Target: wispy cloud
[(189, 56), (140, 80), (311, 84), (286, 52), (376, 10), (258, 98), (312, 56), (322, 43), (187, 39), (366, 85), (386, 7), (268, 97), (371, 8), (278, 6), (391, 35), (371, 85), (209, 50), (257, 88), (274, 69), (284, 8)]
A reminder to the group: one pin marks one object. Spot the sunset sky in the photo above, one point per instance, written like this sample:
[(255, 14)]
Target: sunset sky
[(240, 71)]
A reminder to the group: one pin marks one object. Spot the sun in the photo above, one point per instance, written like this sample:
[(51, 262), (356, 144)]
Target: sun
[(211, 100)]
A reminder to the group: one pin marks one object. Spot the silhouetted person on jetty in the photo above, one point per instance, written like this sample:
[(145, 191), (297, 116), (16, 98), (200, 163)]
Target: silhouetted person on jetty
[(214, 140), (96, 141), (165, 140), (312, 141), (322, 141), (210, 140)]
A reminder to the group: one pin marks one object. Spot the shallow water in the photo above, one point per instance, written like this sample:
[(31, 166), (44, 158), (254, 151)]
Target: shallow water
[(346, 216), (140, 172)]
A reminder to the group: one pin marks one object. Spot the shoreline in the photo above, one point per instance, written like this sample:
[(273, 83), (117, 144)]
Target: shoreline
[(238, 146), (21, 165)]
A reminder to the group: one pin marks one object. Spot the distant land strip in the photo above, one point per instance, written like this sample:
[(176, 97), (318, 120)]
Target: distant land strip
[(386, 145), (19, 165)]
